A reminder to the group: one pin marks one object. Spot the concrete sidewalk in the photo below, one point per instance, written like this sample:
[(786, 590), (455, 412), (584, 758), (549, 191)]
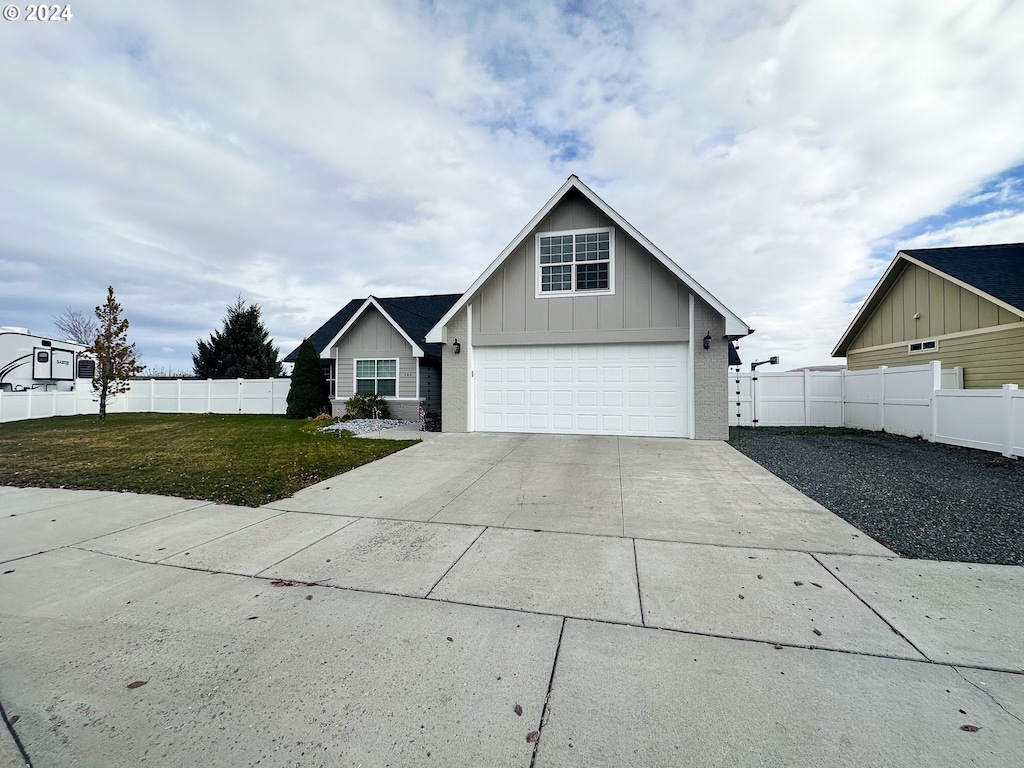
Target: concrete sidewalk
[(313, 637)]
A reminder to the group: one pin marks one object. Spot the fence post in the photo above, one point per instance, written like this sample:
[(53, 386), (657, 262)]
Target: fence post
[(30, 391), (238, 401), (935, 371), (755, 397), (1008, 433), (842, 398), (807, 398), (208, 385), (881, 397)]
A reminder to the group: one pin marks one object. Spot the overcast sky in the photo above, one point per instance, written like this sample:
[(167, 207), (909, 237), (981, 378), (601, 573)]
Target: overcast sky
[(302, 154)]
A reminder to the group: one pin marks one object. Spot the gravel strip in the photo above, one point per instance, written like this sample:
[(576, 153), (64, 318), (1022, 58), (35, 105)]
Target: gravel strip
[(364, 426), (920, 499)]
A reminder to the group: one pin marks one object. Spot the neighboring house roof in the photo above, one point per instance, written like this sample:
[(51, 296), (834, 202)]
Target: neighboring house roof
[(734, 326), (411, 315), (994, 272)]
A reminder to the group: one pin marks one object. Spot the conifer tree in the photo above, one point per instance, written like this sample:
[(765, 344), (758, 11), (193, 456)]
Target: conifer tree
[(307, 396), (242, 349), (116, 360)]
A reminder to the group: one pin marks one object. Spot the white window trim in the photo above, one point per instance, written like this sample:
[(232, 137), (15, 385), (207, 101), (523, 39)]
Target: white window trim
[(923, 350), (538, 293), (355, 378)]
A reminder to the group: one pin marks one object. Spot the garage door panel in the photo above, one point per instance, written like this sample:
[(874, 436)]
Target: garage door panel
[(562, 422), (629, 389), (612, 399)]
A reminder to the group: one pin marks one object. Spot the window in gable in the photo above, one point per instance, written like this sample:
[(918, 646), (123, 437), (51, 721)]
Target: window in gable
[(922, 346), (575, 262), (377, 377)]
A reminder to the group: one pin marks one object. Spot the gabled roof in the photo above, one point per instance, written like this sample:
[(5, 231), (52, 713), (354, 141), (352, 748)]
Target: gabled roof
[(734, 326), (411, 315), (994, 272)]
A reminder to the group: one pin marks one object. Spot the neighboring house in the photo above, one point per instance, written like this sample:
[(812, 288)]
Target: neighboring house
[(582, 325), (963, 306), (377, 345)]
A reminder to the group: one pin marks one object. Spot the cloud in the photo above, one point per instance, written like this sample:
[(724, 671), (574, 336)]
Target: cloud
[(780, 152)]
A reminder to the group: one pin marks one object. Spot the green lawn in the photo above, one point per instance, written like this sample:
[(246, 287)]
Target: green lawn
[(246, 460)]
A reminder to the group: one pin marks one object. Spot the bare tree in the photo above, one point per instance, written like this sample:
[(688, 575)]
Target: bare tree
[(116, 360), (76, 326)]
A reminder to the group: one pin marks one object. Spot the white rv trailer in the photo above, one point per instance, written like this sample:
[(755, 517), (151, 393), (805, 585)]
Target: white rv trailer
[(35, 362)]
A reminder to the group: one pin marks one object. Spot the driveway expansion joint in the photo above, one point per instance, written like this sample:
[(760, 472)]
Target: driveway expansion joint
[(17, 741), (565, 617), (545, 712), (449, 569), (639, 591), (871, 608), (303, 549)]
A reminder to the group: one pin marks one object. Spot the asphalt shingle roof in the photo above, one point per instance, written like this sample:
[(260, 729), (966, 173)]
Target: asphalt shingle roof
[(998, 270), (414, 314)]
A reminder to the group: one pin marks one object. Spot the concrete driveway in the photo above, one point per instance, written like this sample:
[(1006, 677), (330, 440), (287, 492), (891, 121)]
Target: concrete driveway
[(500, 600)]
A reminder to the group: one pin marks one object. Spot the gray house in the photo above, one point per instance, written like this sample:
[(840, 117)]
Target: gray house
[(377, 345), (582, 325)]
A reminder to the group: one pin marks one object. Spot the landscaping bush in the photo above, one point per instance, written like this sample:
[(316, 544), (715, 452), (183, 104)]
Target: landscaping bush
[(362, 405), (307, 395)]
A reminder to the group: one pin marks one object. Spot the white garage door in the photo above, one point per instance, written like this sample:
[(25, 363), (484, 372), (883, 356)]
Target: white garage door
[(595, 389)]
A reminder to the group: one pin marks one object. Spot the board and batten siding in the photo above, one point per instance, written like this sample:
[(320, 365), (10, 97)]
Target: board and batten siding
[(945, 308), (983, 338), (649, 302), (989, 358), (374, 337)]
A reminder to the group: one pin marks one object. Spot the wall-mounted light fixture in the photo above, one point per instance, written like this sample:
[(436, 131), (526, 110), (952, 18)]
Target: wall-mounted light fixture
[(707, 341), (456, 347)]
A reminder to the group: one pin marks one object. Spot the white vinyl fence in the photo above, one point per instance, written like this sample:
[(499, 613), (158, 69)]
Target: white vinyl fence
[(917, 401), (252, 396)]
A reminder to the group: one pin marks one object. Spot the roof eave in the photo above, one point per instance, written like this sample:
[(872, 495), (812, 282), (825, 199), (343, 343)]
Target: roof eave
[(734, 325), (884, 285), (863, 314), (371, 301)]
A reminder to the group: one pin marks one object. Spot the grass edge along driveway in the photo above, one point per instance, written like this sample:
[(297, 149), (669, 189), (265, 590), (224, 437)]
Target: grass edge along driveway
[(243, 460)]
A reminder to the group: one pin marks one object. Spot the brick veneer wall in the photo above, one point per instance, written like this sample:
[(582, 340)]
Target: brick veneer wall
[(453, 377), (710, 380)]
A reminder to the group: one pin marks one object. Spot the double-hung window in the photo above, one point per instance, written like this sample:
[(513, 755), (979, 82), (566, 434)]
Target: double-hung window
[(577, 262), (378, 377)]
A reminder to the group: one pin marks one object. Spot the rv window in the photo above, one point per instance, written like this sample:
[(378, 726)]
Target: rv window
[(42, 357), (86, 368)]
